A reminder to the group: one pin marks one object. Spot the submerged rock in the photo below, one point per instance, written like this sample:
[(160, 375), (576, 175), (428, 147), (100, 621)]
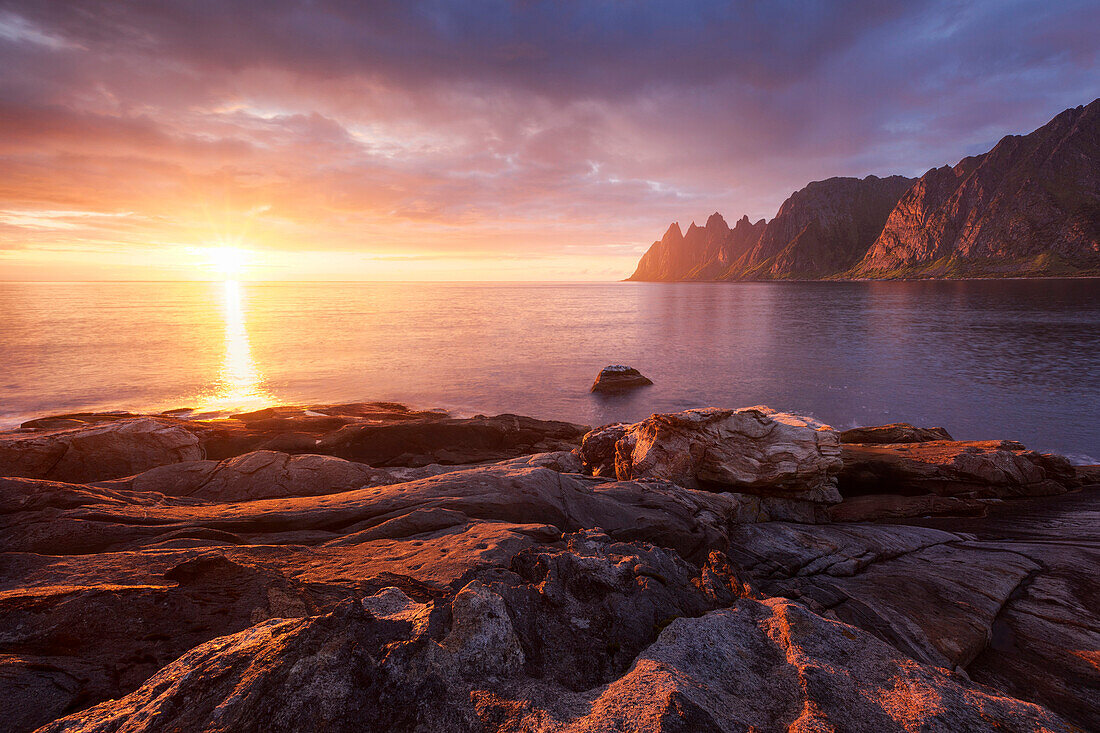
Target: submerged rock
[(619, 378)]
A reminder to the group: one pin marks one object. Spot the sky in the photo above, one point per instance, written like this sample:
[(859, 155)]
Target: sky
[(481, 140)]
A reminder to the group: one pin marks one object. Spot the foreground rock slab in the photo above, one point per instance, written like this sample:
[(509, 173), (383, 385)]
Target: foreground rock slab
[(398, 671), (290, 590)]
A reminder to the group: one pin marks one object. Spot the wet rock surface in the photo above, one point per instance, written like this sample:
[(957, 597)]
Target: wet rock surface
[(274, 590)]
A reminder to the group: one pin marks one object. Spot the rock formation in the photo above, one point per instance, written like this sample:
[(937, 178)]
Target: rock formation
[(97, 447), (1028, 207), (276, 592), (754, 450)]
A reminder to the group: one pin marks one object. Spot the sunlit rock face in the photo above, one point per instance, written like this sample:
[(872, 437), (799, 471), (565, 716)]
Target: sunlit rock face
[(754, 450), (966, 469), (1028, 206)]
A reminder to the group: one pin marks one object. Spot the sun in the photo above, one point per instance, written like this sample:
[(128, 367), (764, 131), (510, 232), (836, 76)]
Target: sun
[(228, 262)]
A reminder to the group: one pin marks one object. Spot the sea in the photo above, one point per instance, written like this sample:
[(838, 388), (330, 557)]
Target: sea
[(992, 359)]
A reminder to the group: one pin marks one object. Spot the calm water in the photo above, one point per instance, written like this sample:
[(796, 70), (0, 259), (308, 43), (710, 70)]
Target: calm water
[(1012, 359)]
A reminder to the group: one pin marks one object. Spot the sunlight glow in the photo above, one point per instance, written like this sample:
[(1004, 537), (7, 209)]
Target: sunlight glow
[(227, 261), (240, 384)]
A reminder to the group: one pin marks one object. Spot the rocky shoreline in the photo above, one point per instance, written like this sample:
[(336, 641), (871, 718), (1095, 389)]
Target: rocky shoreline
[(373, 567)]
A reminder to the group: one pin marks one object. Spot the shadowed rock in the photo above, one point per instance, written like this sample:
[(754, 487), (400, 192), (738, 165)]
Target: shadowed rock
[(899, 432), (978, 469), (392, 672)]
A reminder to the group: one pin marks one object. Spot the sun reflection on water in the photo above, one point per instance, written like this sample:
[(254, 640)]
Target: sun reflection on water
[(240, 382)]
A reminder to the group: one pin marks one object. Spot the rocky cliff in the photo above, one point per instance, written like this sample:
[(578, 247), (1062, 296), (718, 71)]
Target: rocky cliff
[(1028, 207), (823, 229)]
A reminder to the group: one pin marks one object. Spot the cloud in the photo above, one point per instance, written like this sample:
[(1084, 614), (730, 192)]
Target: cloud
[(424, 129)]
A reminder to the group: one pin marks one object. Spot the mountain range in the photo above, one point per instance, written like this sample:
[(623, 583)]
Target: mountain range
[(1030, 207)]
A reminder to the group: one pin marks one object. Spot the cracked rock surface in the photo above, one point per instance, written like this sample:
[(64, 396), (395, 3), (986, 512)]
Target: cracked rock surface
[(269, 590)]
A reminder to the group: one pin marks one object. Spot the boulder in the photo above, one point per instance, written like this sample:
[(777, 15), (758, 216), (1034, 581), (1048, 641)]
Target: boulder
[(752, 450), (619, 378), (899, 432), (100, 451), (977, 469)]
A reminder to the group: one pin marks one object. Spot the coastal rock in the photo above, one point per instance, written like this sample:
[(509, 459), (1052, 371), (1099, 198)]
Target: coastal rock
[(703, 673), (872, 507), (978, 469), (899, 432), (375, 433), (711, 673), (450, 440), (1002, 596), (256, 475), (275, 592), (619, 378), (752, 450), (88, 519), (100, 451)]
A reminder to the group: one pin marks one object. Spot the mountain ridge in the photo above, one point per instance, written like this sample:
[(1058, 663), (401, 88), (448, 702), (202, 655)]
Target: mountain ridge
[(1029, 207)]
